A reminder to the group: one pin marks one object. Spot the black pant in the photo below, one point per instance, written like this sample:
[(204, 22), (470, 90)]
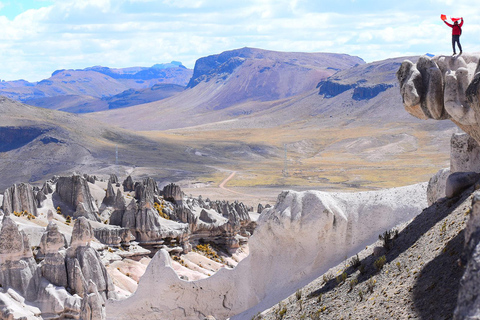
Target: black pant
[(456, 38)]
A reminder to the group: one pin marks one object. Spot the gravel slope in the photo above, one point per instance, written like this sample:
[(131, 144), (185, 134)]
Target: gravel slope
[(420, 279)]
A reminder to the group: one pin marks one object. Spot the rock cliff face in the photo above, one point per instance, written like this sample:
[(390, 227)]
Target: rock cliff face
[(75, 192), (20, 198), (302, 221)]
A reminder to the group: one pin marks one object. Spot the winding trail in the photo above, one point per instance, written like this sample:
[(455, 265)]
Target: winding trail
[(224, 182)]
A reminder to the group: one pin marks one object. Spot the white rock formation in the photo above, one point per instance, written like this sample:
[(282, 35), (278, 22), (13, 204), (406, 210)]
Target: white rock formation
[(299, 239)]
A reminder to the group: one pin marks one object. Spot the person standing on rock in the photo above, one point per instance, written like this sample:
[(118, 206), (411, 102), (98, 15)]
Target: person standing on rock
[(456, 32)]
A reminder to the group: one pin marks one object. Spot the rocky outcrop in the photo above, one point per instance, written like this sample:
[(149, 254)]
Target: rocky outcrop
[(53, 265), (172, 193), (368, 92), (443, 87), (114, 236), (457, 182), (330, 88), (119, 208), (40, 198), (93, 306), (128, 184), (109, 199), (18, 269), (113, 179), (301, 221), (84, 263), (19, 198), (75, 192), (361, 91)]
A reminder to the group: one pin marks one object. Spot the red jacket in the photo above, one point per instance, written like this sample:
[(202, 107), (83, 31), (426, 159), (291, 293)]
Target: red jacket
[(456, 28)]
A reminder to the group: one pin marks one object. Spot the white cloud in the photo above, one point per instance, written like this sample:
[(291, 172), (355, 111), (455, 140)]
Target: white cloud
[(121, 33)]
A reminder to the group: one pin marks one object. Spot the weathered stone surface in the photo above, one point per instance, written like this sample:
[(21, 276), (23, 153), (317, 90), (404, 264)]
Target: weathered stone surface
[(459, 181), (436, 186), (19, 198), (114, 236), (18, 269), (47, 187), (173, 193), (119, 208), (93, 306), (82, 233), (75, 192), (84, 263), (260, 208), (109, 199), (113, 179), (128, 184), (465, 153), (443, 87), (40, 197)]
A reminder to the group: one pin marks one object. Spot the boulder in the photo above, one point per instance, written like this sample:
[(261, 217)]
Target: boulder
[(75, 192), (436, 186), (457, 182)]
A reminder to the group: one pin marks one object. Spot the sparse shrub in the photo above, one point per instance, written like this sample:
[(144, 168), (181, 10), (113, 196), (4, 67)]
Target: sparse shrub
[(281, 311), (341, 278), (258, 316), (319, 299), (399, 266), (209, 252), (68, 220), (371, 284), (387, 237), (380, 262), (298, 294), (352, 284), (360, 294), (159, 207), (362, 268), (327, 277), (355, 262), (59, 210)]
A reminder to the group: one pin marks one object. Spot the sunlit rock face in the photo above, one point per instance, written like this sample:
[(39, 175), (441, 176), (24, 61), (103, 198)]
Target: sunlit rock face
[(443, 87)]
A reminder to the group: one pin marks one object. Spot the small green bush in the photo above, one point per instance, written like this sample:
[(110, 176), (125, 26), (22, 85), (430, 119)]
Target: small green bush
[(380, 262)]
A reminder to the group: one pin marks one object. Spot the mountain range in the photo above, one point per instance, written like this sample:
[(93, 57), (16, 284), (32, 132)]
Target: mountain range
[(99, 88), (278, 119)]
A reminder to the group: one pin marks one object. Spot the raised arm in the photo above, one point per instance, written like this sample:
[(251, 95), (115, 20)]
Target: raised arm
[(448, 24), (461, 23)]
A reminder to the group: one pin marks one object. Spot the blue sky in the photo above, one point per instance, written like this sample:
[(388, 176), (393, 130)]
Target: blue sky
[(41, 36)]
